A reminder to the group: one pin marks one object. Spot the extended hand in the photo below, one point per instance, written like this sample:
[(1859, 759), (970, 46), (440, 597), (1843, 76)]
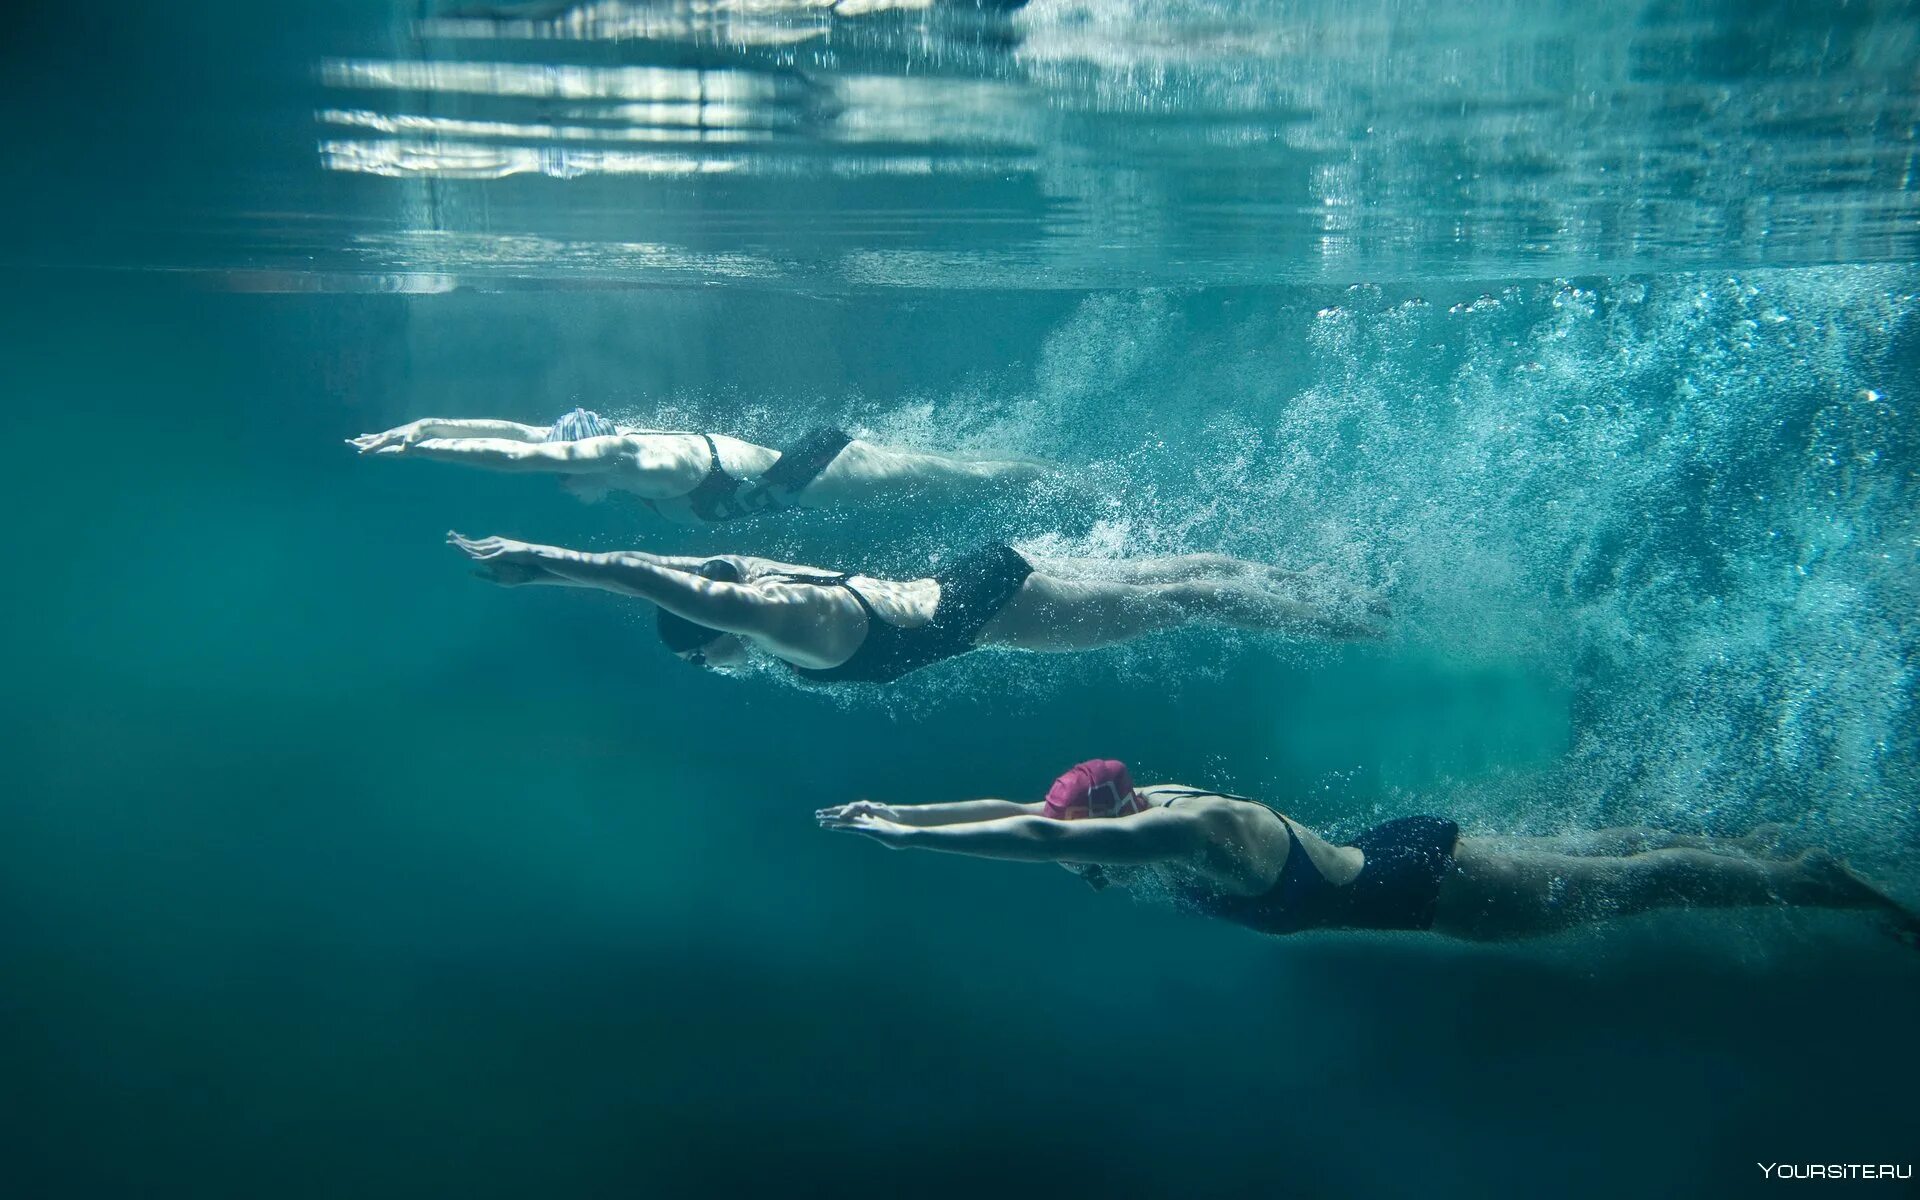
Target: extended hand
[(393, 441), (502, 560), (841, 814), (887, 833)]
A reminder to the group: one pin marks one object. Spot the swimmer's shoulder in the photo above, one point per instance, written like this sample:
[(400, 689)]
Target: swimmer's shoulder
[(1182, 793), (755, 570), (1182, 798)]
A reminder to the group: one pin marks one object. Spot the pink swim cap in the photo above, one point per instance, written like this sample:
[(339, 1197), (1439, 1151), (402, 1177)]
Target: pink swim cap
[(1099, 787)]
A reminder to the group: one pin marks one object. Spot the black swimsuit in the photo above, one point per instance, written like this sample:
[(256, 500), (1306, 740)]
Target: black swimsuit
[(716, 497), (723, 497), (972, 592), (1397, 887), (799, 465)]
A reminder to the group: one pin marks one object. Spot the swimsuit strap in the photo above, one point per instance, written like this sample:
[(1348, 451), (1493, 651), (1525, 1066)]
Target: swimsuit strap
[(714, 469), (1290, 883), (1300, 884), (841, 580), (1187, 793), (1293, 830), (717, 496)]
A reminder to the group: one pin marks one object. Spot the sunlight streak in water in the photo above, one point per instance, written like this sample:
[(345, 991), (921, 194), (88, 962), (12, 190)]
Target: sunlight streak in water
[(773, 124), (729, 22), (1197, 141), (553, 81), (469, 160)]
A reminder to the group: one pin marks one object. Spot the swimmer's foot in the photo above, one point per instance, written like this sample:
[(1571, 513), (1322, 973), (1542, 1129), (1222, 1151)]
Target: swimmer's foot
[(1341, 609), (1026, 471), (1762, 841), (1002, 472), (1834, 884)]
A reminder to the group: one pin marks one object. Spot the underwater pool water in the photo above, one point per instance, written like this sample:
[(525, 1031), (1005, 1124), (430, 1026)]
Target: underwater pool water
[(1588, 336)]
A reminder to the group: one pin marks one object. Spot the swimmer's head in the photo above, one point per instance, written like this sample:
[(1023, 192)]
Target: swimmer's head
[(703, 645), (1099, 787), (723, 653), (581, 423), (1092, 874), (588, 489)]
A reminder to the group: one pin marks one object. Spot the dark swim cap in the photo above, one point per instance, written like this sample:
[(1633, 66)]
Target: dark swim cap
[(682, 635)]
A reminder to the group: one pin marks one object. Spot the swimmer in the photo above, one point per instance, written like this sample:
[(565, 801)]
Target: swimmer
[(698, 477), (1226, 856), (834, 627)]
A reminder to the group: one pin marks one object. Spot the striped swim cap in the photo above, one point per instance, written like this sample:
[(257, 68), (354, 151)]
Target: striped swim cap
[(581, 423)]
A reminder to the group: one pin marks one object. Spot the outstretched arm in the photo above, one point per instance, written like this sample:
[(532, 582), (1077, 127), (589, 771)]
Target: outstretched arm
[(670, 583), (648, 470), (414, 432), (504, 454), (957, 813), (1156, 835), (513, 570)]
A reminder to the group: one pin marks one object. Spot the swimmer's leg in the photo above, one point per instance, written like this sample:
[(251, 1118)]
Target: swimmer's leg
[(866, 473), (1051, 613), (1250, 595), (1244, 603), (1497, 892), (1176, 568), (1638, 839)]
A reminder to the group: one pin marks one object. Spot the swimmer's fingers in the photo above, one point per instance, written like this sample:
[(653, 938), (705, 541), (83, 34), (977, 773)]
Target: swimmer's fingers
[(394, 440), (885, 832), (477, 551), (484, 548), (841, 814), (374, 443), (872, 808), (851, 822)]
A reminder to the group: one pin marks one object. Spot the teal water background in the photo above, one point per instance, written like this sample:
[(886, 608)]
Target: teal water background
[(329, 870)]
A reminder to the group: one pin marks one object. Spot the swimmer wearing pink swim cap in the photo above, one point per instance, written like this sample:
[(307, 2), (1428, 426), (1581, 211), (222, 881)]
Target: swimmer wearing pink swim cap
[(1099, 787), (1231, 857)]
